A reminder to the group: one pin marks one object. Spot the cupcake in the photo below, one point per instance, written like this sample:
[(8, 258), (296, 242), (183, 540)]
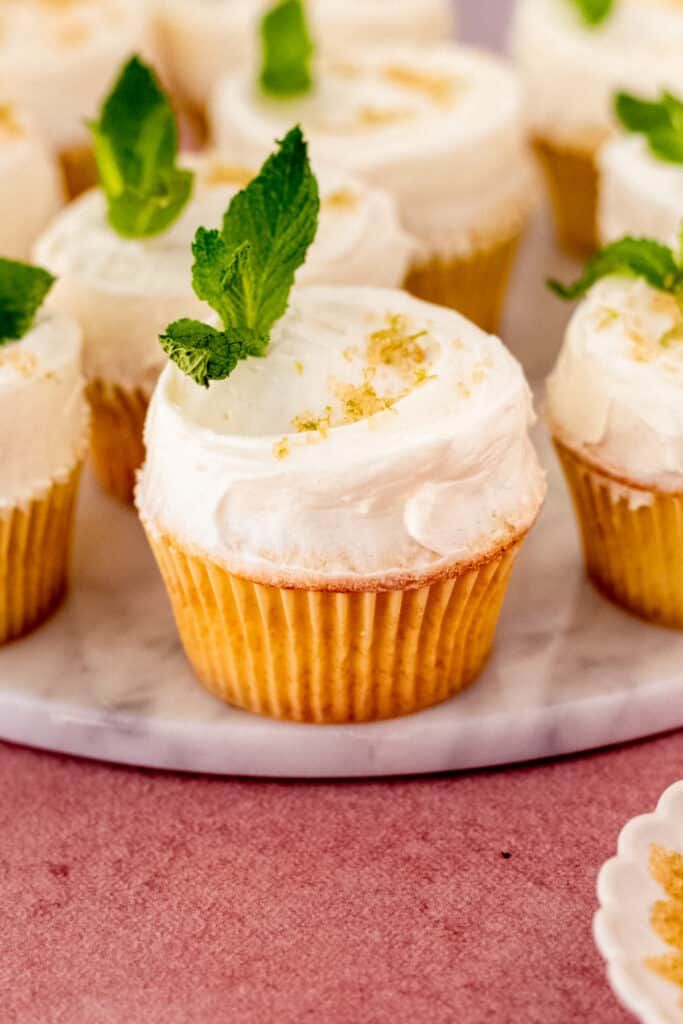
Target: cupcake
[(56, 62), (338, 479), (30, 185), (574, 55), (615, 407), (43, 423), (641, 173), (439, 127), (124, 284), (199, 39)]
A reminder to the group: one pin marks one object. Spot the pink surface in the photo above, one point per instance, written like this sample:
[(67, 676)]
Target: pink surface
[(130, 897)]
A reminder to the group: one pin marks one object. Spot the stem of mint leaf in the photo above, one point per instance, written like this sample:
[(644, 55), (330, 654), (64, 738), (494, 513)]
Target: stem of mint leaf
[(287, 51), (245, 271), (23, 289), (136, 150)]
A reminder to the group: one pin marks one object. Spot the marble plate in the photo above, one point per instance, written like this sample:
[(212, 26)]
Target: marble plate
[(627, 892), (106, 677)]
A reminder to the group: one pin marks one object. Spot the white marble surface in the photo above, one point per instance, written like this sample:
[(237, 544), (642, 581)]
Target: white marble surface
[(106, 678)]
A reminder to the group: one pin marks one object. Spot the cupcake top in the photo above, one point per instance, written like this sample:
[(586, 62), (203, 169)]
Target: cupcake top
[(616, 393), (439, 127), (379, 437), (572, 67), (57, 58), (43, 415)]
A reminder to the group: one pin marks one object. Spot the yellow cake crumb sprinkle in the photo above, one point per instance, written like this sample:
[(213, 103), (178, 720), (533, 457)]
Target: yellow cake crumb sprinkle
[(360, 401), (9, 123), (25, 363), (281, 448), (440, 89), (341, 199), (299, 366), (219, 173), (396, 346), (308, 422), (379, 117), (666, 918)]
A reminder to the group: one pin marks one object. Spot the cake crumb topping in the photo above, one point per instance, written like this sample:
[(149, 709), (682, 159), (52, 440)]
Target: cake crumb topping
[(666, 867), (219, 173), (281, 448), (396, 346), (341, 199), (10, 126), (440, 89), (25, 363)]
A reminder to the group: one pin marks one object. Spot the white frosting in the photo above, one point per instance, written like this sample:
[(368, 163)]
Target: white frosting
[(125, 292), (58, 59), (571, 70), (616, 394), (30, 185), (200, 39), (43, 413), (639, 194), (439, 127), (442, 477)]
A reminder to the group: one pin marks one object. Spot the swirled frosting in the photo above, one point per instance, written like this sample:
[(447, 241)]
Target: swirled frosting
[(58, 59), (199, 39), (616, 393), (571, 70), (439, 127), (380, 437), (639, 194), (43, 413), (125, 292)]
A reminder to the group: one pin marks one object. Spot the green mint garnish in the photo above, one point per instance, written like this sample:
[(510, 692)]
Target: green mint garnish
[(136, 149), (660, 121), (287, 51), (22, 292), (594, 12), (246, 270)]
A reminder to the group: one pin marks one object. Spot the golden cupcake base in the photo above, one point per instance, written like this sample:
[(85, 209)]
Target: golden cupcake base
[(474, 286), (573, 180), (117, 446), (79, 169), (632, 540), (35, 546), (331, 656)]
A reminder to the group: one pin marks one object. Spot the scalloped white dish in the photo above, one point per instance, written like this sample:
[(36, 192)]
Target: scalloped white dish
[(622, 926)]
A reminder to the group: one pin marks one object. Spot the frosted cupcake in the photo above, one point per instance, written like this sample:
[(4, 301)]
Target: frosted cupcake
[(43, 425), (337, 481), (124, 278), (56, 62), (200, 39), (641, 174), (615, 406), (439, 127), (574, 55), (30, 185)]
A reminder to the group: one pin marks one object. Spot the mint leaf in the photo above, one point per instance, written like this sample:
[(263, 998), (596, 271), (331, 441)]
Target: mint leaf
[(22, 292), (594, 12), (136, 147), (638, 257), (660, 121), (202, 352), (287, 50)]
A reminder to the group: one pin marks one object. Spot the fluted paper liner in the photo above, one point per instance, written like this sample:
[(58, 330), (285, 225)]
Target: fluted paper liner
[(35, 545), (117, 446), (474, 286), (332, 657), (573, 180), (632, 540), (79, 169)]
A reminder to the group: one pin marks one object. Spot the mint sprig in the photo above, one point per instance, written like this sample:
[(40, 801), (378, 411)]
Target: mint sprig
[(136, 149), (660, 121), (246, 270), (287, 51), (594, 12), (23, 289), (636, 257)]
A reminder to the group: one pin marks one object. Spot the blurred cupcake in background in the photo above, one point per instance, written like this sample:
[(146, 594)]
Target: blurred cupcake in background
[(641, 171), (199, 40), (43, 425), (440, 127), (123, 255), (338, 479), (31, 189), (615, 407), (574, 55), (56, 62)]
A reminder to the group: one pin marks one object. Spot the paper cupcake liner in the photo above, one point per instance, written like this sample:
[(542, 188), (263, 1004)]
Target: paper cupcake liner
[(474, 286), (632, 540), (572, 178), (117, 446), (79, 169), (332, 657), (35, 545)]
